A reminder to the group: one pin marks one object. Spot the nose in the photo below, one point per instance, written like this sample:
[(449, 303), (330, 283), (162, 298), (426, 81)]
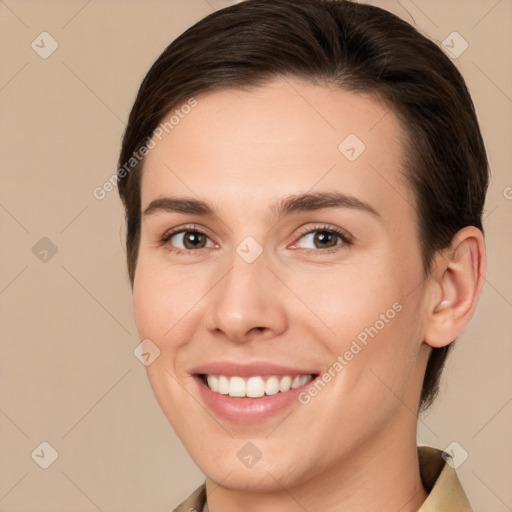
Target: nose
[(248, 302)]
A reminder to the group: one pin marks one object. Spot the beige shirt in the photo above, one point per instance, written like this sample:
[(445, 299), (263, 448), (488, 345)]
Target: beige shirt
[(439, 479)]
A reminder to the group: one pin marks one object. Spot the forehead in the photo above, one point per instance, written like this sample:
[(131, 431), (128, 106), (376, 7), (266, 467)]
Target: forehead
[(288, 136)]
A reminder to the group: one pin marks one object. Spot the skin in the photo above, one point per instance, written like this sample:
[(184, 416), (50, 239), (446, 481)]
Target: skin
[(298, 304)]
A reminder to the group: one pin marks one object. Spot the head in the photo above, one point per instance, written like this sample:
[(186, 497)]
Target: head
[(271, 100)]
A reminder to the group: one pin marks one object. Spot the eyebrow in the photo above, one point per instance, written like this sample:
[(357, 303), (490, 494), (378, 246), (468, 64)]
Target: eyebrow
[(292, 204)]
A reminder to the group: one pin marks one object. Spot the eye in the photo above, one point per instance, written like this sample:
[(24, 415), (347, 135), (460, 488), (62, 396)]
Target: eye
[(323, 237), (189, 240), (186, 239), (320, 239)]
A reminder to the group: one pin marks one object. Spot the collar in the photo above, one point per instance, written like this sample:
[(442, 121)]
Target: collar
[(441, 482), (437, 473)]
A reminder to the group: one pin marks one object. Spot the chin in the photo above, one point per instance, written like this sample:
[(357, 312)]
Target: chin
[(256, 480)]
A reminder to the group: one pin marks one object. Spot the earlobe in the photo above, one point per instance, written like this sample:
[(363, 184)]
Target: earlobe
[(458, 279)]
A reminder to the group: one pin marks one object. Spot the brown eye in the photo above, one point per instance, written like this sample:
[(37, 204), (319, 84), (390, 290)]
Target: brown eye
[(194, 240), (188, 240), (325, 239), (322, 239)]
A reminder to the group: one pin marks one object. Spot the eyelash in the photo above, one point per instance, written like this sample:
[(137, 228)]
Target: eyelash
[(343, 236)]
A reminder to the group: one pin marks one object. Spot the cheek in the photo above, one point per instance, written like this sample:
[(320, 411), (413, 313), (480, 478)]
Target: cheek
[(346, 301), (162, 299), (367, 315), (147, 303)]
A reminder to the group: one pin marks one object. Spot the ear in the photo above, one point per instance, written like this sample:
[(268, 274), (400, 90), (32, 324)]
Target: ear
[(457, 282)]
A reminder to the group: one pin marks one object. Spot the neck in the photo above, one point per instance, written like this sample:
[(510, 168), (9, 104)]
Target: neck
[(380, 475)]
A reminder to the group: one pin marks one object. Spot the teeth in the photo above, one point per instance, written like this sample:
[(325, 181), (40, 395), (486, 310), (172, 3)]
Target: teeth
[(236, 386), (255, 387), (272, 386), (285, 384), (213, 383), (305, 379), (296, 382), (223, 385)]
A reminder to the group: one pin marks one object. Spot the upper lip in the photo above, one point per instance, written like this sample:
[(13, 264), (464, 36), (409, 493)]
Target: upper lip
[(230, 369)]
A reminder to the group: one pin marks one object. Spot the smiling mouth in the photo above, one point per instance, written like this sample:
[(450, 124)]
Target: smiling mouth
[(256, 386)]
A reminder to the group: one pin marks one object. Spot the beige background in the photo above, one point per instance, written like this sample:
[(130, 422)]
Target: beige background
[(68, 373)]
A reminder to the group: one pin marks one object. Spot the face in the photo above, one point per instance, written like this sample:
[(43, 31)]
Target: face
[(280, 277)]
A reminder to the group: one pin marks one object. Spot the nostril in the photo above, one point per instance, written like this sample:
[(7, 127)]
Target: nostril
[(260, 329)]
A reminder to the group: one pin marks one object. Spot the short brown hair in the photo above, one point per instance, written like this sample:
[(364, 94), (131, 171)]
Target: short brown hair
[(359, 48)]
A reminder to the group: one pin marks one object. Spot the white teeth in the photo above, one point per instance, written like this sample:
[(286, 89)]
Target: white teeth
[(213, 383), (305, 379), (236, 386), (255, 387), (296, 382), (272, 386), (223, 384), (285, 384)]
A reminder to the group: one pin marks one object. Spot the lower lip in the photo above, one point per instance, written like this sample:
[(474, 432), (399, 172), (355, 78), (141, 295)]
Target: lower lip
[(248, 410)]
